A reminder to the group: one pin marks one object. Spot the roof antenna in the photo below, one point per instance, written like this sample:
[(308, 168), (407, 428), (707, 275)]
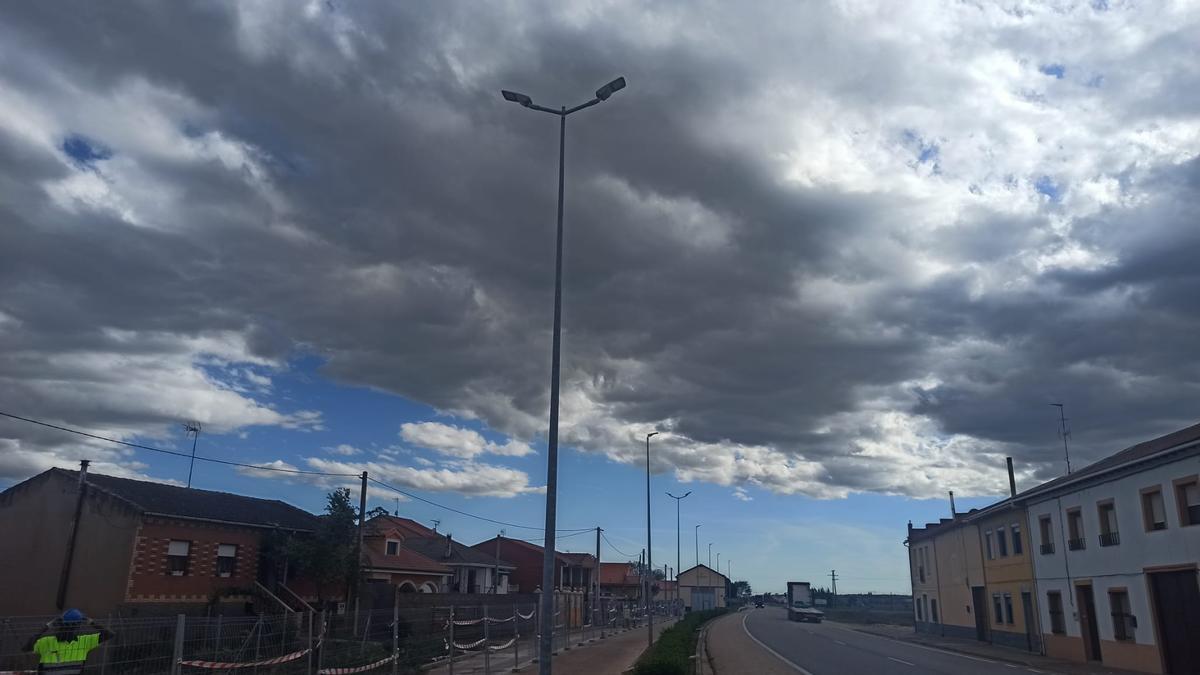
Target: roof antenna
[(192, 428), (435, 524), (1065, 432), (397, 507)]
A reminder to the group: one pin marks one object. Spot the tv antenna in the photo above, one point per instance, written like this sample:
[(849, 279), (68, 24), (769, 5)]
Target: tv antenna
[(436, 522), (1065, 432), (192, 429)]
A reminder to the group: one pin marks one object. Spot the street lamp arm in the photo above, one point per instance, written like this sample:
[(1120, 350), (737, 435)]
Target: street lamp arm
[(542, 108), (579, 107)]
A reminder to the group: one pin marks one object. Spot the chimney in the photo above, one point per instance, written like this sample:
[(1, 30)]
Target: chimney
[(1012, 479), (953, 513), (83, 465), (448, 548)]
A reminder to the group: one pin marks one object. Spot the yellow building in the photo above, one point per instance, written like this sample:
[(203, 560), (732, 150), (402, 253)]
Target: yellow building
[(1009, 591)]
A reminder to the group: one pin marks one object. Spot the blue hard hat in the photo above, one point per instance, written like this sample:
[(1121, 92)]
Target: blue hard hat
[(72, 616)]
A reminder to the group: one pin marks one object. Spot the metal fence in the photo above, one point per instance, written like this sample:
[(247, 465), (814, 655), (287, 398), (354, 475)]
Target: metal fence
[(442, 639)]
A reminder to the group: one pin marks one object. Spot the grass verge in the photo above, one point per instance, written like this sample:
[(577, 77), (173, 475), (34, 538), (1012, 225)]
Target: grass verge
[(670, 653)]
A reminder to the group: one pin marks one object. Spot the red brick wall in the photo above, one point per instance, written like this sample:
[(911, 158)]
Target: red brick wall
[(149, 578)]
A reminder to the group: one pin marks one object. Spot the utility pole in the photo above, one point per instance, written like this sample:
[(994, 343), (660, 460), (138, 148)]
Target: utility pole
[(649, 554), (496, 581), (833, 580), (596, 587), (677, 500), (397, 512), (362, 519), (192, 428), (1065, 433)]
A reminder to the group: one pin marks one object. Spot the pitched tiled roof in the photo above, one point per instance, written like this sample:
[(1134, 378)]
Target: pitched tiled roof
[(406, 526), (404, 560), (1133, 453), (561, 557), (434, 548), (618, 574), (582, 559), (172, 500)]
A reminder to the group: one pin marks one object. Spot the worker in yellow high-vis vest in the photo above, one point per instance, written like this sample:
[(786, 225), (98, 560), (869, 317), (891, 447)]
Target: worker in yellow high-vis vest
[(72, 636)]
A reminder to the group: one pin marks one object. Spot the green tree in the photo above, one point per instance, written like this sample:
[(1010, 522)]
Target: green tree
[(741, 589), (377, 511), (329, 557)]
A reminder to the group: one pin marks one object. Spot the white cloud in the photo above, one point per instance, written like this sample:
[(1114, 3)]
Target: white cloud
[(344, 450), (740, 494), (467, 477), (458, 442)]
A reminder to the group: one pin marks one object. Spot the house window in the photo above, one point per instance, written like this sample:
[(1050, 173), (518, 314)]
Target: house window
[(1018, 545), (392, 547), (933, 610), (471, 581), (1002, 542), (1123, 622), (226, 558), (1058, 625), (1075, 540), (1109, 535), (177, 557), (1187, 496), (921, 609), (1154, 515), (1008, 610), (987, 541), (1046, 535), (921, 564), (998, 608)]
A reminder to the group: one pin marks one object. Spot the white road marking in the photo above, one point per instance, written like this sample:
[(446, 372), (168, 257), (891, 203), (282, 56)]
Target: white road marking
[(892, 658), (774, 653)]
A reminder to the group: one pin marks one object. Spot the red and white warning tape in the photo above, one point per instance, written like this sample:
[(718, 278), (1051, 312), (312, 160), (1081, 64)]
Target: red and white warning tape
[(216, 665), (506, 645), (357, 669), (469, 645)]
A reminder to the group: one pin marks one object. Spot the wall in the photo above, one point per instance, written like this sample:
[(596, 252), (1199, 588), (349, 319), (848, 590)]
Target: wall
[(956, 565), (701, 577), (149, 580), (35, 522), (1116, 566), (1010, 574)]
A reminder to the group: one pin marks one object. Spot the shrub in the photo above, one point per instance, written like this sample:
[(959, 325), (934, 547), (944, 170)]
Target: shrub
[(670, 653)]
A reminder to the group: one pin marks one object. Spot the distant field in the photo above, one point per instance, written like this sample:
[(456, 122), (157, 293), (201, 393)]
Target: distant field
[(848, 615)]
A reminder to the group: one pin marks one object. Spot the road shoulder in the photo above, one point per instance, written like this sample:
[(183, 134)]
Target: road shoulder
[(732, 651)]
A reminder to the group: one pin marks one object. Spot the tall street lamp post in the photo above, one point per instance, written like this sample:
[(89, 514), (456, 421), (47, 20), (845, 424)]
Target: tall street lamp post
[(547, 600), (697, 544), (649, 561), (710, 555), (677, 500)]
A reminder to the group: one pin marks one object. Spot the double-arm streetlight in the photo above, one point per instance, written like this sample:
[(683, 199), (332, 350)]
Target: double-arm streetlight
[(677, 500), (547, 599), (649, 560)]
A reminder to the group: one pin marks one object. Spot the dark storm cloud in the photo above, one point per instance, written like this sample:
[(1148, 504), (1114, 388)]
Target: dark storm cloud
[(346, 180)]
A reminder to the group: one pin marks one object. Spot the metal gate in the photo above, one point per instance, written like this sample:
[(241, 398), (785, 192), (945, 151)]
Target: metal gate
[(703, 598)]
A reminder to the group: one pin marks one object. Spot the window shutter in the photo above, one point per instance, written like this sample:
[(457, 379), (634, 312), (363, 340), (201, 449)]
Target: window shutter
[(178, 548), (226, 551)]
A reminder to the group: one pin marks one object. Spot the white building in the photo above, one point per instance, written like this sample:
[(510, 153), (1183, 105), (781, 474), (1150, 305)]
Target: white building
[(1115, 547), (701, 588)]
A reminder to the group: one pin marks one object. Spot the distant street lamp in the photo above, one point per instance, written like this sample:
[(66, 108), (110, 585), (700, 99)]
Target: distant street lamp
[(697, 544), (710, 555), (545, 646), (677, 500), (649, 560)]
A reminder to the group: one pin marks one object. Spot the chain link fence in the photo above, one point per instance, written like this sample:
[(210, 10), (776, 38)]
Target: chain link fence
[(400, 640)]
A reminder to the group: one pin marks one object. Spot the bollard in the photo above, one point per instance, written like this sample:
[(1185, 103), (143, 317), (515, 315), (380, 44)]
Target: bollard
[(451, 639), (177, 655), (487, 652)]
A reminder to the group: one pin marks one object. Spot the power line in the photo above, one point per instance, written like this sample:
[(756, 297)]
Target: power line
[(611, 545), (464, 513), (185, 455), (258, 467)]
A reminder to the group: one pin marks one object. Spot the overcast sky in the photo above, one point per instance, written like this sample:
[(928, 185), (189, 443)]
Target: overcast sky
[(827, 249)]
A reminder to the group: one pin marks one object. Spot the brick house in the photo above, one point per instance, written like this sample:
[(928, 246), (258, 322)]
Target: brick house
[(620, 580), (138, 546), (388, 558), (572, 571)]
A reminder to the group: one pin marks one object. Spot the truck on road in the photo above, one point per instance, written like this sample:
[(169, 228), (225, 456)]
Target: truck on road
[(800, 604)]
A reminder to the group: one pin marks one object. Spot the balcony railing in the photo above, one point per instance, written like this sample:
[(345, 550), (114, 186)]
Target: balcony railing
[(1110, 538), (1048, 548), (1077, 544)]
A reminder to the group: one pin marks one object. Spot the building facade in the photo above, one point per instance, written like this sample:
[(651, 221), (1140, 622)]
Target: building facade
[(701, 587), (1117, 545), (946, 570), (136, 546), (1008, 575)]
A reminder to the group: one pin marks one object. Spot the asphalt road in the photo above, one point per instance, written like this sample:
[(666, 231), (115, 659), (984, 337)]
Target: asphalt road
[(830, 649)]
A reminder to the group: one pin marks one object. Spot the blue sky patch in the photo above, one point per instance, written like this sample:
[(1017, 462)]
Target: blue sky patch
[(84, 151), (1046, 185), (1055, 70)]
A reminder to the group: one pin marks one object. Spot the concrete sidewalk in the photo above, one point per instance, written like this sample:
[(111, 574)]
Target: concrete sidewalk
[(613, 655), (984, 650)]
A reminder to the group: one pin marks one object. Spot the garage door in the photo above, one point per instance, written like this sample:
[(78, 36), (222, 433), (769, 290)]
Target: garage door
[(703, 598)]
